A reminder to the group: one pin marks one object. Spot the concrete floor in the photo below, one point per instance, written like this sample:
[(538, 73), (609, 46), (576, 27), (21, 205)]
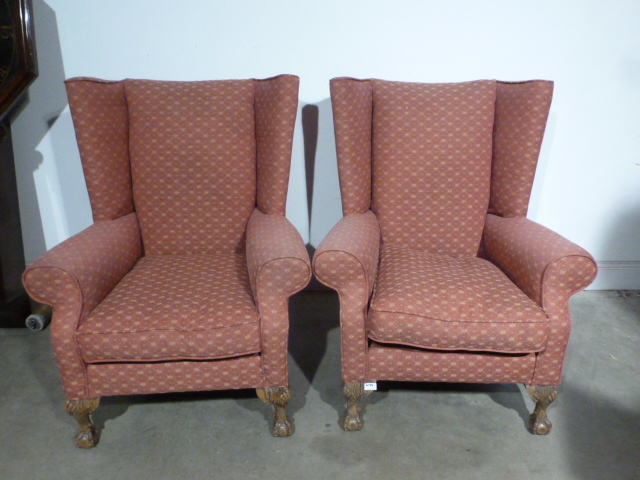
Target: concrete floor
[(412, 431)]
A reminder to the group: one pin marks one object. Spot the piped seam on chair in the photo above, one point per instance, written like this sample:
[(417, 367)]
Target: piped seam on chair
[(455, 349), (177, 358), (183, 330), (547, 320), (91, 79)]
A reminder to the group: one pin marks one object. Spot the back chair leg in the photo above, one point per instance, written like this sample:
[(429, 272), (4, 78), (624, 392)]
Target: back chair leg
[(543, 396), (279, 398), (355, 393), (88, 435)]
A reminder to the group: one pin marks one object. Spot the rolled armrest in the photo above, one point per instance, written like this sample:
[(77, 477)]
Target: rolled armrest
[(538, 260), (347, 260), (355, 240), (277, 259), (279, 266), (87, 266)]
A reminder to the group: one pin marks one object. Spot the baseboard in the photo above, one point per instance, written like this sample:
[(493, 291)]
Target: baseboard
[(617, 276)]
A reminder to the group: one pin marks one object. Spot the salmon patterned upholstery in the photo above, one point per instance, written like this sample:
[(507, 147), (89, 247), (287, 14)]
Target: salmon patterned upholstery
[(101, 121), (193, 163), (414, 365), (278, 267), (275, 105), (351, 100), (182, 283), (521, 117), (434, 301), (459, 286), (175, 307), (347, 260), (445, 181)]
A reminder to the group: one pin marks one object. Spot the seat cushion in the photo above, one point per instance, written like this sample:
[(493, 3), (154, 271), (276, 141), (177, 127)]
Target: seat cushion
[(175, 307), (440, 302)]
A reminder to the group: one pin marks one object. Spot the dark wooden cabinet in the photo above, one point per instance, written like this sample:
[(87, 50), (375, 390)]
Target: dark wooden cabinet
[(18, 68)]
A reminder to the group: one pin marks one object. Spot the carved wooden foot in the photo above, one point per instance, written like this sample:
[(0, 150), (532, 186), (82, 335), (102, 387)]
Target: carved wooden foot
[(88, 435), (543, 396), (354, 392), (278, 397)]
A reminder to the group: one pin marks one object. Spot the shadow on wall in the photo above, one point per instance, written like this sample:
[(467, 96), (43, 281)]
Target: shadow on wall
[(321, 172), (49, 209), (325, 204)]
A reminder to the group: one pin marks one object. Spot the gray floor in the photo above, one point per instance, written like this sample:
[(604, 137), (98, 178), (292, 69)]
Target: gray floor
[(412, 431)]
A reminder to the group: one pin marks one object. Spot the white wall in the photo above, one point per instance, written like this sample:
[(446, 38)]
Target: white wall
[(588, 177)]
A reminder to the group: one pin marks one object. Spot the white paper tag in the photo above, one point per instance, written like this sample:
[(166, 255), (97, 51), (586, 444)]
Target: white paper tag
[(370, 386)]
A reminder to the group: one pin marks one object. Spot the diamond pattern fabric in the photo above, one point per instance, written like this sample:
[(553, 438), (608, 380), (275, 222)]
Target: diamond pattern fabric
[(444, 181), (173, 307), (163, 293), (193, 163), (522, 109), (435, 301), (352, 105), (278, 267), (101, 121), (347, 260), (458, 295), (276, 106), (549, 269), (166, 377), (414, 365), (74, 277)]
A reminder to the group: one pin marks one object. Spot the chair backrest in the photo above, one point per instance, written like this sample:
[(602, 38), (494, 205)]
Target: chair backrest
[(192, 159), (432, 159)]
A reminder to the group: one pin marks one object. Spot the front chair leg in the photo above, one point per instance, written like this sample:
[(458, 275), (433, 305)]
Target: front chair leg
[(278, 397), (88, 435), (354, 392), (543, 396)]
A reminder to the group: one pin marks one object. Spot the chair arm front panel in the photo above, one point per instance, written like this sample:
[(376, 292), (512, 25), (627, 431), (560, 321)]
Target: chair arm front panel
[(74, 277), (347, 260), (549, 269), (279, 266)]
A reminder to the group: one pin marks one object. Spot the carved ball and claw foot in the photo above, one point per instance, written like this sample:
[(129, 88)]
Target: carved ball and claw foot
[(278, 397), (88, 435), (543, 396), (354, 392)]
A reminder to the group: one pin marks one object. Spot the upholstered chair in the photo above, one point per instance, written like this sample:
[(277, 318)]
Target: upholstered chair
[(441, 276), (182, 282)]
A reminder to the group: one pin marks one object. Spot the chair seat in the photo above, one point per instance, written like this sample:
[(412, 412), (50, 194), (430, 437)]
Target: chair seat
[(440, 302), (175, 307)]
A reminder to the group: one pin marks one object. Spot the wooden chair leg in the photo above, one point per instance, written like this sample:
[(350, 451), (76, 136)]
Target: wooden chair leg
[(88, 435), (279, 398), (355, 393), (543, 396)]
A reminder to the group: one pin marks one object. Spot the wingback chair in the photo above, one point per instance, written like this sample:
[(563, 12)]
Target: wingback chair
[(441, 277), (182, 282)]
